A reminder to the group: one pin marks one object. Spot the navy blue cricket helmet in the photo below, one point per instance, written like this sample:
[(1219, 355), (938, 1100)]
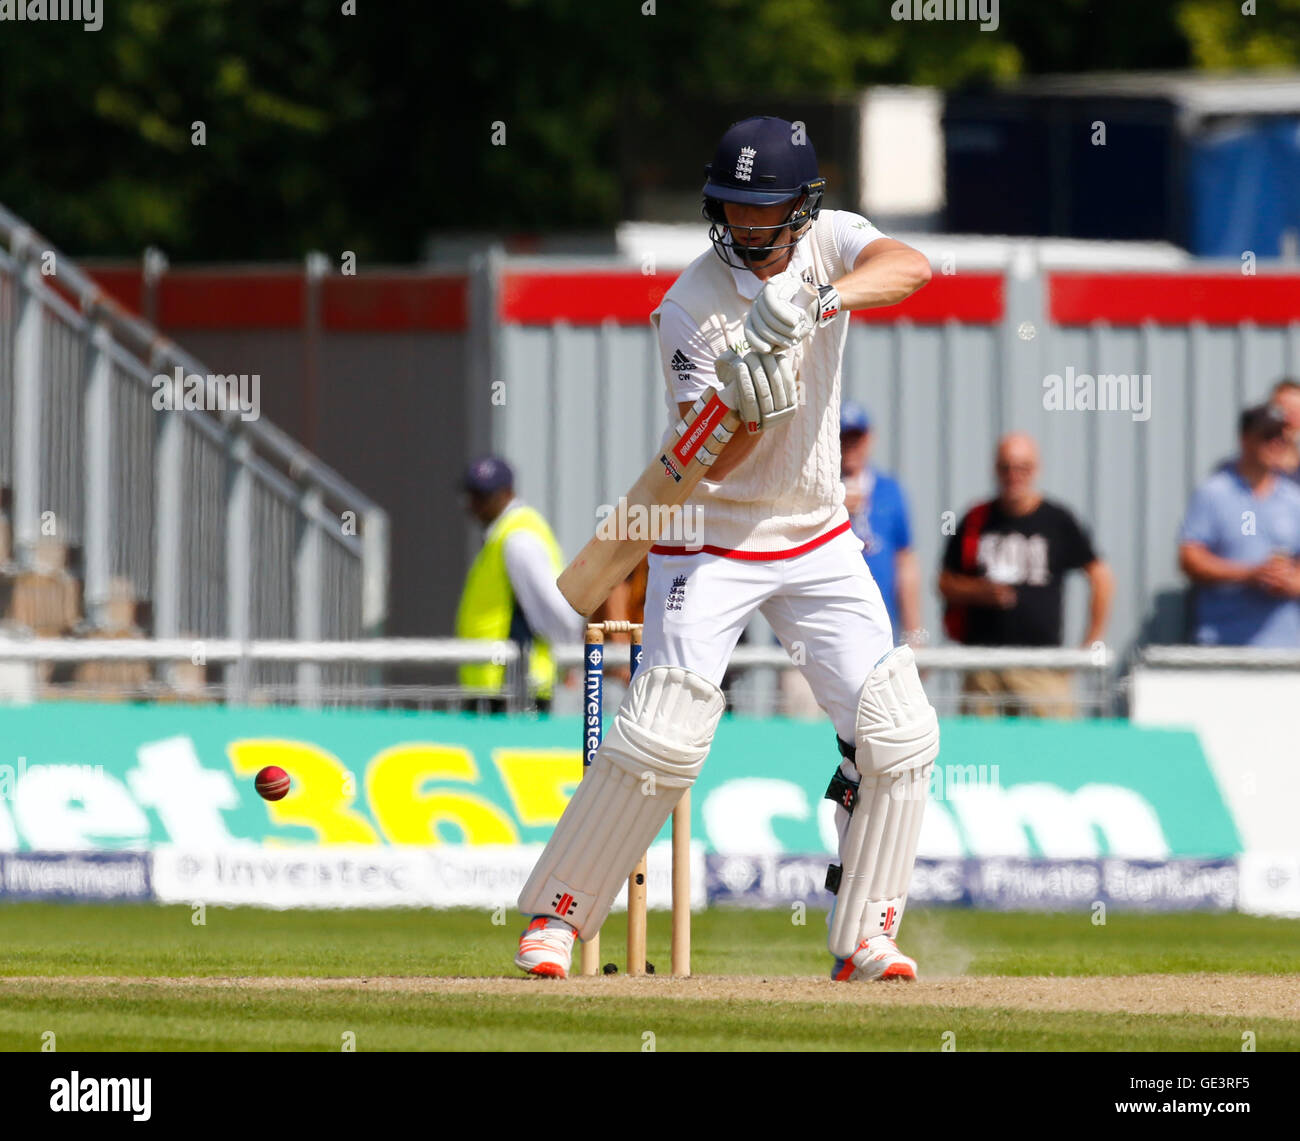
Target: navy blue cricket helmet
[(761, 161)]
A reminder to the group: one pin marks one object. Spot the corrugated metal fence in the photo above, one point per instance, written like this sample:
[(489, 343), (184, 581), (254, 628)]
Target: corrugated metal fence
[(583, 402), (552, 363)]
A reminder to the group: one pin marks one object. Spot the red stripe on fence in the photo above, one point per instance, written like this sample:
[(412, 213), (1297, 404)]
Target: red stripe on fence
[(396, 304), (584, 297), (261, 299), (972, 298), (190, 299), (1174, 298), (125, 285), (627, 296)]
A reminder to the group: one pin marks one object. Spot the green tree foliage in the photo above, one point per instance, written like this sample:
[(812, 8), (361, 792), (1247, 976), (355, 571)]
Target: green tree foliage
[(364, 132), (1244, 34)]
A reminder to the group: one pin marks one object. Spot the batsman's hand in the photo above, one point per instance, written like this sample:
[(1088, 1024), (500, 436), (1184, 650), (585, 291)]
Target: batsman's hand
[(786, 310), (760, 386)]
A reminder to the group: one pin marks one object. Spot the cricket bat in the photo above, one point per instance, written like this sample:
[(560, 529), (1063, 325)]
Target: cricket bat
[(668, 482)]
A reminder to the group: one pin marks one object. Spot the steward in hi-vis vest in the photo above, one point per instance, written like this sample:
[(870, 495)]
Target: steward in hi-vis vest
[(510, 591)]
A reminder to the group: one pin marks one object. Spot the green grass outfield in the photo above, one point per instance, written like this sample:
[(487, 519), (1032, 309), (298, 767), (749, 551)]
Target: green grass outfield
[(147, 977)]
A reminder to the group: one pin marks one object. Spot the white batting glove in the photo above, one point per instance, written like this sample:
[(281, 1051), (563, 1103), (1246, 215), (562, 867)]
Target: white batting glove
[(786, 310), (760, 386)]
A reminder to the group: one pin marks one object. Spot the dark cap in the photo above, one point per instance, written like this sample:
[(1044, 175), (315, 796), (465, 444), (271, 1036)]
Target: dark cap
[(853, 418), (762, 161), (1263, 421), (488, 474)]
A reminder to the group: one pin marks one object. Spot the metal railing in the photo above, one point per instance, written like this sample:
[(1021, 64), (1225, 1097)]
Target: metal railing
[(222, 524), (295, 672), (1219, 657)]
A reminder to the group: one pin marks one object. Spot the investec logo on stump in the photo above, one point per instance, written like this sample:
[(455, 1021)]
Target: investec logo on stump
[(75, 1094), (596, 656)]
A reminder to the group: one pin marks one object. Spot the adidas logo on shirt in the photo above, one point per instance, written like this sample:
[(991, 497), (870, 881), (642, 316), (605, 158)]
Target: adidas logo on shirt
[(681, 363)]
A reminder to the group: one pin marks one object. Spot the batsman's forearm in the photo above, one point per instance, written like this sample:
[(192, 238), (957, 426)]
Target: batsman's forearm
[(885, 279)]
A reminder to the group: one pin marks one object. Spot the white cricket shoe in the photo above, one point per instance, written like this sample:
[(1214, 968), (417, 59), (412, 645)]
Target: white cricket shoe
[(875, 960), (546, 947)]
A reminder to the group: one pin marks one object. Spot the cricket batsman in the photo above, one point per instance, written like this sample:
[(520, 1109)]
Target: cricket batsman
[(761, 319)]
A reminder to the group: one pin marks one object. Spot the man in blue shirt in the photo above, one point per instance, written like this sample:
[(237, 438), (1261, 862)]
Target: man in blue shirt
[(878, 511), (1285, 397), (1240, 543)]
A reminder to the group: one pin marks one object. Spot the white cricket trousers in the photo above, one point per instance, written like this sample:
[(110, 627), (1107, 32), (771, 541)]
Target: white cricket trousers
[(823, 605)]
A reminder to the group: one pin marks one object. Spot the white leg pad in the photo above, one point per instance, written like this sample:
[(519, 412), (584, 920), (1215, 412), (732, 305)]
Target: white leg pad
[(651, 754), (897, 741)]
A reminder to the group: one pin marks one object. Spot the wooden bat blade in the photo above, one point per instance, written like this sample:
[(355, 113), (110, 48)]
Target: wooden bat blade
[(667, 482)]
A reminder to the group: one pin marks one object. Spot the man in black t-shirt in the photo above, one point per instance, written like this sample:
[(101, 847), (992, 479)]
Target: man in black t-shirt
[(1002, 578)]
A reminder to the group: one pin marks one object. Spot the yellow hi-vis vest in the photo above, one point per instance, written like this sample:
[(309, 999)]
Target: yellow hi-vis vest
[(488, 608)]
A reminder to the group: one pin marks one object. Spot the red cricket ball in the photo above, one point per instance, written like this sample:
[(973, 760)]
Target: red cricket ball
[(272, 783)]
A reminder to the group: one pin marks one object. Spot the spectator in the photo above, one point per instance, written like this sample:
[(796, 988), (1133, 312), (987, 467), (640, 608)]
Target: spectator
[(1240, 540), (510, 591), (878, 509), (1002, 578), (1285, 397)]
